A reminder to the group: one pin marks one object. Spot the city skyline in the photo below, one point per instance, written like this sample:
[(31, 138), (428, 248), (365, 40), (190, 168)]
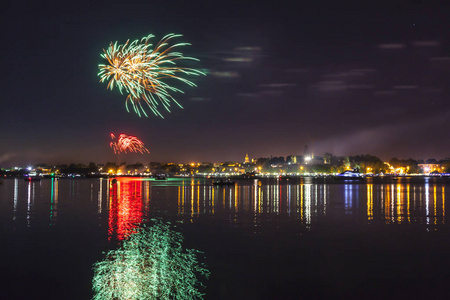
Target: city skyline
[(298, 159), (346, 79)]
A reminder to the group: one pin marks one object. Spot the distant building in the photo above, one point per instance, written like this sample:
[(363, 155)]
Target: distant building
[(327, 158), (247, 160), (308, 155), (291, 159), (429, 168)]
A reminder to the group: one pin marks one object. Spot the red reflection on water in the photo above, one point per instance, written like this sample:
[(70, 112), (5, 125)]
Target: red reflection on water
[(125, 207)]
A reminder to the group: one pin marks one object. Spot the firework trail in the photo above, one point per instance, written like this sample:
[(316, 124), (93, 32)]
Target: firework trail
[(141, 71), (127, 143)]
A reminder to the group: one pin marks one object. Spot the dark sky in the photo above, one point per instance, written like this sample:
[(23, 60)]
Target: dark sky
[(341, 77)]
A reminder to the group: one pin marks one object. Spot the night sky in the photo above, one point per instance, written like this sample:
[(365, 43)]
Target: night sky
[(340, 77)]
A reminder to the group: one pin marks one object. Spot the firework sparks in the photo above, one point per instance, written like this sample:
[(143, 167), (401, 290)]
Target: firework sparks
[(127, 143), (141, 71)]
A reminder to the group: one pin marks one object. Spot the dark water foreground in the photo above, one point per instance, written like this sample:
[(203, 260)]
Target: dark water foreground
[(261, 240)]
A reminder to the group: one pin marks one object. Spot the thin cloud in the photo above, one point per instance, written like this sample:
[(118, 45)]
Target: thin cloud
[(426, 43), (278, 85), (6, 157), (392, 46), (225, 74), (238, 59), (405, 87)]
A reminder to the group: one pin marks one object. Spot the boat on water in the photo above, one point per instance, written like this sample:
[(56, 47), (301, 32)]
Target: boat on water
[(222, 182), (349, 175), (285, 177), (32, 178)]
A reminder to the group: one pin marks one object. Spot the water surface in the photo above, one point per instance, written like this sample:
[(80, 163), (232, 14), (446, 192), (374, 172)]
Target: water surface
[(269, 239)]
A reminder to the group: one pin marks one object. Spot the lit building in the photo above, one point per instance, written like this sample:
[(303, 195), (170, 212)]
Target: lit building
[(291, 159), (247, 160), (308, 155), (429, 168)]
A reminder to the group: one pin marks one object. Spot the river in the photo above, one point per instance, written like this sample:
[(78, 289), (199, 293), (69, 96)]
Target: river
[(261, 239)]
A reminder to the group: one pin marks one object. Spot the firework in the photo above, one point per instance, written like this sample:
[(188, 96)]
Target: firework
[(140, 70), (151, 264), (127, 143)]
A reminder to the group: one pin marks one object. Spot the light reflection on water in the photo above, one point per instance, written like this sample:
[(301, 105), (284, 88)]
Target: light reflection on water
[(65, 224), (129, 201), (125, 203)]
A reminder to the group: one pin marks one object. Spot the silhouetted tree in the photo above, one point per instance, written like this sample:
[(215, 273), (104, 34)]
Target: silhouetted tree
[(92, 167)]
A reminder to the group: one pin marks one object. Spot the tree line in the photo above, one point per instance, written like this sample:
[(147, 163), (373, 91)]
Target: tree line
[(329, 163)]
